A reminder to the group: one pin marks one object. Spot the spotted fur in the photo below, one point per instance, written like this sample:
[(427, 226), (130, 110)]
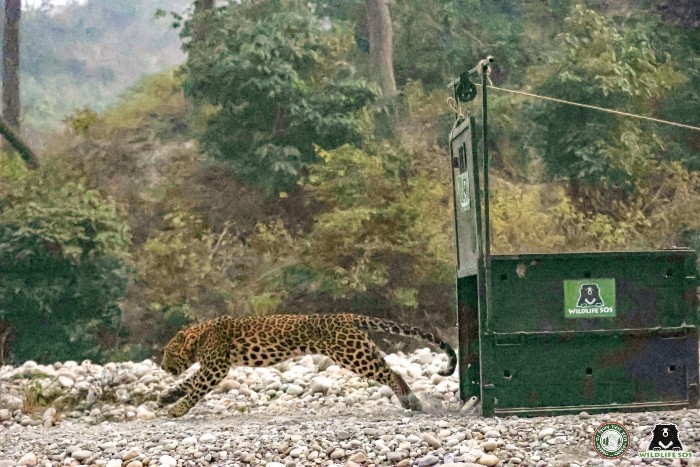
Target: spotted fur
[(263, 341)]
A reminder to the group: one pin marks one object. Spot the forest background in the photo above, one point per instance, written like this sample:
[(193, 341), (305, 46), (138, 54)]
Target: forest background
[(291, 156)]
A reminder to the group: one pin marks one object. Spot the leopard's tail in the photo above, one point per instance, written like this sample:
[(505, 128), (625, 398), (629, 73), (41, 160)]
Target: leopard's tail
[(391, 327)]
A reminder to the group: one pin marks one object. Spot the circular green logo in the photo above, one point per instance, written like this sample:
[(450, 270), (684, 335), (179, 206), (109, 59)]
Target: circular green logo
[(611, 440)]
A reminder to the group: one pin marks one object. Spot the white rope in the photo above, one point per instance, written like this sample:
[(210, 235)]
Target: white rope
[(456, 107), (601, 109)]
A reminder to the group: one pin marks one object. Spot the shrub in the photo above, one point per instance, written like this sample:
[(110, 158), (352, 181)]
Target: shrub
[(63, 256)]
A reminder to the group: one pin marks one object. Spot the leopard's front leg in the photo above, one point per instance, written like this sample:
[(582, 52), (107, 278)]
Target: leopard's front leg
[(174, 394), (198, 385)]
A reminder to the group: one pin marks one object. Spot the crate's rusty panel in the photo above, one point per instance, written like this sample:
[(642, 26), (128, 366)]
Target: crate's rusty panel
[(536, 360), (559, 373), (469, 342)]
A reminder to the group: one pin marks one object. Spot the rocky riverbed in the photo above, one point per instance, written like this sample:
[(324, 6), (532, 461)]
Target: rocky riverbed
[(306, 411)]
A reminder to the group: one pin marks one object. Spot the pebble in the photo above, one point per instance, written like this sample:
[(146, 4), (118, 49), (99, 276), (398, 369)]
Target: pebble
[(81, 455), (207, 438), (130, 455), (189, 441), (65, 381), (489, 445), (295, 390), (358, 457), (396, 456), (167, 460), (337, 454), (48, 419), (431, 440), (488, 460), (28, 459), (428, 460), (142, 413)]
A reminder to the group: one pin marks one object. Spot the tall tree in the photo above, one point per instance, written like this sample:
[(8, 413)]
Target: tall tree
[(10, 62), (280, 86), (9, 123), (381, 47)]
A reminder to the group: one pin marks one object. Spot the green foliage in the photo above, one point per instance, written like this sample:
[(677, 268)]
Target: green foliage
[(183, 268), (277, 85), (436, 40), (545, 218), (43, 218), (520, 220), (188, 269), (63, 252), (82, 120), (156, 101), (613, 68), (379, 233)]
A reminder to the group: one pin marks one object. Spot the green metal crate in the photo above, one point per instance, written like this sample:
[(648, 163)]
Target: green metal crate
[(549, 334)]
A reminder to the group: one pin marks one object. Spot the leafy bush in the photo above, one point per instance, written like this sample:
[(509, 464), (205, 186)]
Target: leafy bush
[(277, 85), (190, 271), (379, 233), (609, 67), (520, 220), (183, 268), (63, 253)]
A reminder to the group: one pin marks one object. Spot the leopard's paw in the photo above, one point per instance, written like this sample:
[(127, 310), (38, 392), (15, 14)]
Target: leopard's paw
[(178, 410), (411, 402)]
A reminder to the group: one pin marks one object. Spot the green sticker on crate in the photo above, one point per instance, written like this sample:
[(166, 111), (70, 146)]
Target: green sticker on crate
[(465, 200), (589, 298)]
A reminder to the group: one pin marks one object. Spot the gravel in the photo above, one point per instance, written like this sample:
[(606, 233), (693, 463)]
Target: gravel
[(306, 411)]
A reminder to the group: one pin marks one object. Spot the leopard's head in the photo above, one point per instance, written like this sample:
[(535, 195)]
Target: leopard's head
[(179, 353)]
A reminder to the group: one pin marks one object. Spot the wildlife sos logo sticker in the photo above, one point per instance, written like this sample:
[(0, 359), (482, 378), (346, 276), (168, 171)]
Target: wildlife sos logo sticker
[(465, 201), (665, 444), (589, 298), (611, 440)]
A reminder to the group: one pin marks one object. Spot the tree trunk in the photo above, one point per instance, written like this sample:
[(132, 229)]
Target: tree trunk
[(10, 62), (9, 123), (200, 28), (18, 143), (381, 47)]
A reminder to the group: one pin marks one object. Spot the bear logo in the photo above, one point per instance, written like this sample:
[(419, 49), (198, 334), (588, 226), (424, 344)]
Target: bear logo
[(589, 295), (665, 438)]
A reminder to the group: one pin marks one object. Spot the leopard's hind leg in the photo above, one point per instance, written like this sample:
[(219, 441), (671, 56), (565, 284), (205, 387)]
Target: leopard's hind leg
[(360, 355)]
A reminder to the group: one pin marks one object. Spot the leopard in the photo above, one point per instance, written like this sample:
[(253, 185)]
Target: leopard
[(259, 341)]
